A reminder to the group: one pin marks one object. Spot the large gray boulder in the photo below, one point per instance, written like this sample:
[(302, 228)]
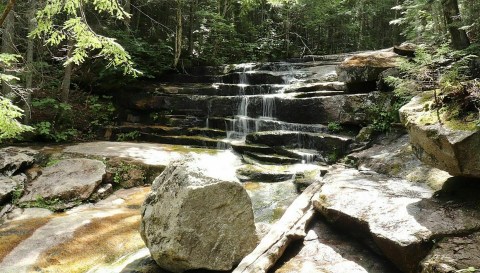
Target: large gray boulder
[(192, 220), (446, 146), (68, 180), (13, 159), (398, 218)]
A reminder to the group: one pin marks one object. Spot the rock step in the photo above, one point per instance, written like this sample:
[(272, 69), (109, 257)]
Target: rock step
[(320, 86), (136, 130), (255, 173), (272, 158), (265, 124), (216, 89), (316, 94), (241, 148), (330, 145), (196, 141), (351, 109), (305, 155), (255, 78)]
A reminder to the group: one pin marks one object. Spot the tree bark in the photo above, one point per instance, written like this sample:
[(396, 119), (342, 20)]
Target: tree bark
[(128, 9), (67, 76), (190, 27), (291, 227), (8, 45), (453, 20), (178, 34), (6, 11), (29, 62)]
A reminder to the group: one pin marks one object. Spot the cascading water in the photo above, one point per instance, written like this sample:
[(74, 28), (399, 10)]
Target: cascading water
[(248, 119)]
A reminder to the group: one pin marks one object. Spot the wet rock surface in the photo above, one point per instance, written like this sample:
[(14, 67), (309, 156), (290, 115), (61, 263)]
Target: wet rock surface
[(438, 143), (192, 220), (68, 180), (397, 218)]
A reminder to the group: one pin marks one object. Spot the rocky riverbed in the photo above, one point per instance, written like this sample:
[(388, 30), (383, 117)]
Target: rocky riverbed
[(325, 193)]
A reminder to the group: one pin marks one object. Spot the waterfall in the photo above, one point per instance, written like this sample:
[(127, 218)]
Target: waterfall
[(268, 105)]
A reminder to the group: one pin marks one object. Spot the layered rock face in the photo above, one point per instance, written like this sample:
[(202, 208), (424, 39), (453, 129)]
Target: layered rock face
[(191, 220), (437, 143), (362, 71)]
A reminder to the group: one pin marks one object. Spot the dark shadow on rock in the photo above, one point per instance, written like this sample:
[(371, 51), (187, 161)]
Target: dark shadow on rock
[(452, 211), (328, 238), (148, 265)]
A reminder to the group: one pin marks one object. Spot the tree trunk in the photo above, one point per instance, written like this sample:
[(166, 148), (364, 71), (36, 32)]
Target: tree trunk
[(178, 34), (7, 11), (7, 45), (190, 28), (453, 20), (67, 76), (127, 8), (29, 62)]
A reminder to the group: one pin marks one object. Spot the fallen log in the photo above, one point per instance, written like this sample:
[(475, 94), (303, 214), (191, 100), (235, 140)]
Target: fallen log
[(291, 227)]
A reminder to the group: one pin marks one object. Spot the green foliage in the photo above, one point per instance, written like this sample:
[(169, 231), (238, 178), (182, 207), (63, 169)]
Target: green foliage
[(334, 127), (133, 135), (122, 172), (384, 116), (51, 23), (54, 204), (101, 110), (333, 156), (58, 128), (10, 127), (47, 130), (17, 193)]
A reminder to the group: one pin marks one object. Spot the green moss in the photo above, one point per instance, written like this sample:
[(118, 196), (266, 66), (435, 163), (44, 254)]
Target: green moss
[(277, 214)]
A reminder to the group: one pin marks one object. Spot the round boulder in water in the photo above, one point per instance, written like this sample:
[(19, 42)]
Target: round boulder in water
[(192, 220)]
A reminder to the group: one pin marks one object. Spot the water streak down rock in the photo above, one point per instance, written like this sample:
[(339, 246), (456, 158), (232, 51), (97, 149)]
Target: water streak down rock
[(193, 221)]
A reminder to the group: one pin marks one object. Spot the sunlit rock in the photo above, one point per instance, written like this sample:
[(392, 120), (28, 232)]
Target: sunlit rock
[(194, 219), (400, 219), (360, 72), (447, 145), (67, 181), (325, 250), (395, 158), (13, 159)]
